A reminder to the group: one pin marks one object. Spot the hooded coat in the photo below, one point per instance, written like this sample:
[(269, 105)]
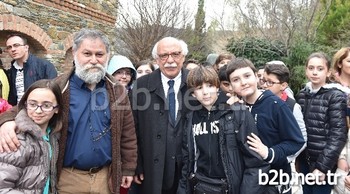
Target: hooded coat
[(118, 62), (278, 130)]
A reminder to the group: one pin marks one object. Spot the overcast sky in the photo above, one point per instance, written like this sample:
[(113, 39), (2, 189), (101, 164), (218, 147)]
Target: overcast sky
[(213, 9)]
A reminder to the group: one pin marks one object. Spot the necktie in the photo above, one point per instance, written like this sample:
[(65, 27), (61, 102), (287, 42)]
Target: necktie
[(171, 100)]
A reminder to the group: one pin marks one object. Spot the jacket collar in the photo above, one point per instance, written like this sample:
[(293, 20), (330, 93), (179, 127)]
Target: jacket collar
[(155, 80), (308, 88), (26, 63), (26, 124)]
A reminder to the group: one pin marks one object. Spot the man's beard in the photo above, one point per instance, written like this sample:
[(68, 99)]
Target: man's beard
[(88, 76)]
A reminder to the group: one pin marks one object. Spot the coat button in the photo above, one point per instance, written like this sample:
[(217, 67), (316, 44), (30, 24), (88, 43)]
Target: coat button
[(156, 161), (159, 136), (173, 157)]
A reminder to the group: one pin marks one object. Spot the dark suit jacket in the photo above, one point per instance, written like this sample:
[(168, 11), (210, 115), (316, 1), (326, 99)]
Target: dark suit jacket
[(159, 142)]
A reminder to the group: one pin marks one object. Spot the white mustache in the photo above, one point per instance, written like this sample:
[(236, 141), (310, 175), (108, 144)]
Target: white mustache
[(90, 66), (170, 65)]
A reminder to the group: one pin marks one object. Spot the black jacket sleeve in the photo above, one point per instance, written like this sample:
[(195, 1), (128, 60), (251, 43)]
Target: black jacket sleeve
[(184, 184), (337, 135), (253, 163)]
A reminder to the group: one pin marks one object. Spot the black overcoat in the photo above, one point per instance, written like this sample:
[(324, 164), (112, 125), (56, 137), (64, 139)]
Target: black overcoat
[(159, 142)]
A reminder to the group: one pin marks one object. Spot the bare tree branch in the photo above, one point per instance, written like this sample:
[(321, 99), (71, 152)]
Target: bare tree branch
[(141, 23)]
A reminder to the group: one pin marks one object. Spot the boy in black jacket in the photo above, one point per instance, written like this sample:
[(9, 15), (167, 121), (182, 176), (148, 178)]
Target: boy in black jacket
[(216, 156)]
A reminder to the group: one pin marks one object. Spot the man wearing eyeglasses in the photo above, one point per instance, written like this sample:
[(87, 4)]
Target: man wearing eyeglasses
[(25, 67), (159, 106)]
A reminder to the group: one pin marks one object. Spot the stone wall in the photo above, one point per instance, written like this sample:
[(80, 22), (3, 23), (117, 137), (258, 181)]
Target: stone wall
[(49, 25)]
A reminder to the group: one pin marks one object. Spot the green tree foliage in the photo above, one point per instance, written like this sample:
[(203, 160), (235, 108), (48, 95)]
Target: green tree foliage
[(259, 51), (335, 29), (196, 38), (296, 60), (199, 26), (303, 27)]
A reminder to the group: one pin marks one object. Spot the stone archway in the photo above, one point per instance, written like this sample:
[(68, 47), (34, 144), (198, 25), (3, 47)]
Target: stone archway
[(68, 42), (68, 58), (48, 25), (9, 22), (39, 42)]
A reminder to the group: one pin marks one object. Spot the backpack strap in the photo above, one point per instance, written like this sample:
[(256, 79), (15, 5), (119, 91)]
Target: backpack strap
[(290, 102)]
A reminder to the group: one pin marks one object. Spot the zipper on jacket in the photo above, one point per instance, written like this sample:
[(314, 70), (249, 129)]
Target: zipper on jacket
[(307, 108), (209, 138)]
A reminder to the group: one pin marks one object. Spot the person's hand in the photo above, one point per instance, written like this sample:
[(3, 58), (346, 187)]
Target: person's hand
[(257, 146), (347, 182), (8, 137), (138, 178), (343, 165), (321, 176), (126, 181), (233, 98)]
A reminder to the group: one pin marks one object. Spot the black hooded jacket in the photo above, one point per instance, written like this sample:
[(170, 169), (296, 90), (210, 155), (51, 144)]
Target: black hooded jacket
[(227, 152)]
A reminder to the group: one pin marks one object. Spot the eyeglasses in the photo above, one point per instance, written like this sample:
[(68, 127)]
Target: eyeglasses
[(123, 73), (174, 55), (268, 83), (13, 46), (46, 107)]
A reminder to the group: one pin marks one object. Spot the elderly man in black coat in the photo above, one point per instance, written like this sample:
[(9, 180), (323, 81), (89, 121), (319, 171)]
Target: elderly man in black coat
[(159, 118)]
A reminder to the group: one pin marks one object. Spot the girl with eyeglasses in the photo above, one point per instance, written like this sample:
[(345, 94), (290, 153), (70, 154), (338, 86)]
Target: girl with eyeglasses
[(122, 69), (32, 168)]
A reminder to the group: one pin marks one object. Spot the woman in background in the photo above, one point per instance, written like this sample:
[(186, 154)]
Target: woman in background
[(341, 75)]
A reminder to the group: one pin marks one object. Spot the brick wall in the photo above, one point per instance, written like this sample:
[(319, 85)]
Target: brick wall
[(49, 25)]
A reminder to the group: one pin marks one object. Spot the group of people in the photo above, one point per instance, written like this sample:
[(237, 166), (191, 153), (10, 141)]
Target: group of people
[(169, 130), (91, 117)]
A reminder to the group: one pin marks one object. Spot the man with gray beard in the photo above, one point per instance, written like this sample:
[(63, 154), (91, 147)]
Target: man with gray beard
[(98, 150)]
